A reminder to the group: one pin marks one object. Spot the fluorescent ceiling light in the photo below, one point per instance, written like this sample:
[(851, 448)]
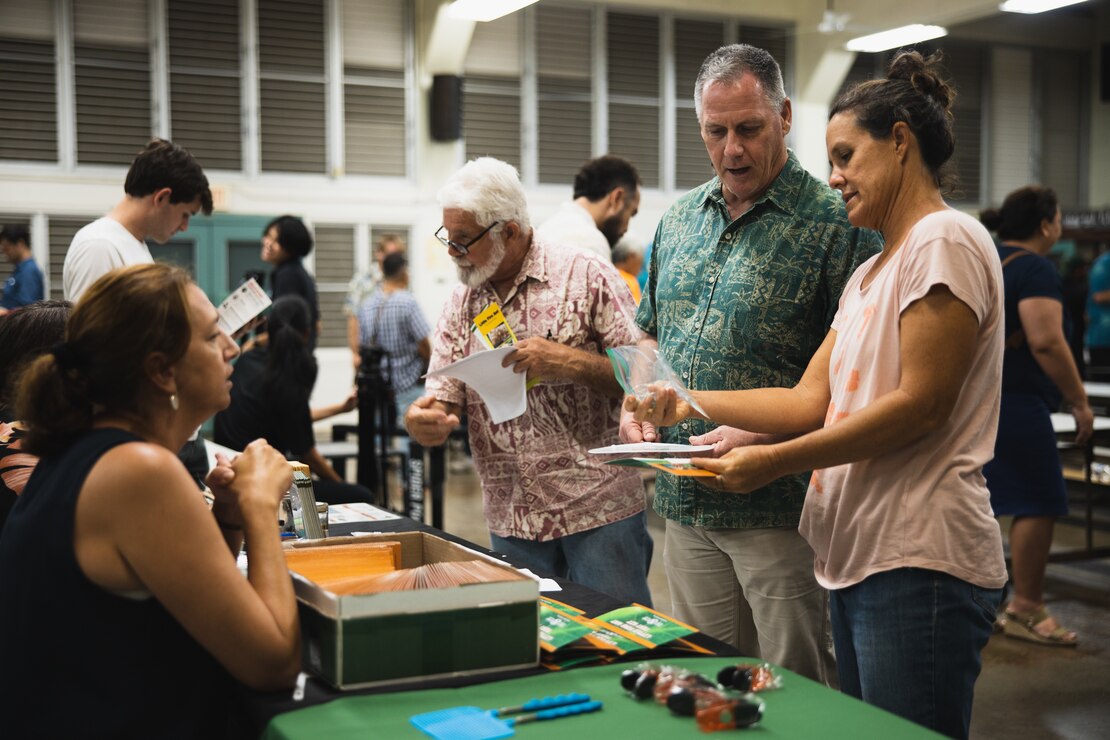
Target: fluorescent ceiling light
[(895, 37), (485, 10), (1035, 6)]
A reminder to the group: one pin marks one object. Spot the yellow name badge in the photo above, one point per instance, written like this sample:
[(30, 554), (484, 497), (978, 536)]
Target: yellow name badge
[(492, 329)]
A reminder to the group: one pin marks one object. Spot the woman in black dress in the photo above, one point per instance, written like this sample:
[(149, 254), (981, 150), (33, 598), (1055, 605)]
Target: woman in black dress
[(1038, 372), (286, 241), (270, 400)]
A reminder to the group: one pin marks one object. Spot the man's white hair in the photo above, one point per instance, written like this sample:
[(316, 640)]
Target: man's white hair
[(488, 189)]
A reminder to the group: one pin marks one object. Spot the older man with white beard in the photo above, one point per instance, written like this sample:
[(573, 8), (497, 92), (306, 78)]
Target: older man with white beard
[(548, 504)]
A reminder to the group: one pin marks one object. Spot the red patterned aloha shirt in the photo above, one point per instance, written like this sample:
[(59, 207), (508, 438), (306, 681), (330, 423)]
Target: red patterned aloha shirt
[(538, 482), (15, 465)]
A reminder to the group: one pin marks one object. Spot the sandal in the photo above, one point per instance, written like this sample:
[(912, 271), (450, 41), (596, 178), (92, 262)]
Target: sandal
[(1024, 627)]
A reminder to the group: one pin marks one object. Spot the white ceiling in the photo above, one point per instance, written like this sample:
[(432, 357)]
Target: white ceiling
[(979, 19)]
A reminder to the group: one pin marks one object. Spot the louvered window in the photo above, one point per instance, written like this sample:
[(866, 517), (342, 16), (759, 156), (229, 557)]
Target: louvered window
[(964, 65), (60, 232), (204, 80), (374, 51), (112, 80), (774, 41), (633, 52), (28, 114), (291, 82), (491, 91), (564, 58), (694, 40), (1062, 81), (1011, 131), (335, 264)]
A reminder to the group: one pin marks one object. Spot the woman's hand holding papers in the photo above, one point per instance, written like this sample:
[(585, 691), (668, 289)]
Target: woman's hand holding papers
[(745, 461), (742, 469)]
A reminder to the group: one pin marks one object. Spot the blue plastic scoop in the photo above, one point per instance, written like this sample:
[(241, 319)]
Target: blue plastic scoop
[(473, 723)]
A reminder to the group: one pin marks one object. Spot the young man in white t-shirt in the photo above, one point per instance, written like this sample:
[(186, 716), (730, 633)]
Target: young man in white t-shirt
[(164, 188)]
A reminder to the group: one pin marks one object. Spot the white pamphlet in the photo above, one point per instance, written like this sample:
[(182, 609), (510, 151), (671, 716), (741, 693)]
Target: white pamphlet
[(502, 390), (358, 512), (650, 448), (244, 303)]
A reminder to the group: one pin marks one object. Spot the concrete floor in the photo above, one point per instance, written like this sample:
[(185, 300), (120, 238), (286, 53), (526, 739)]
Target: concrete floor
[(1026, 691)]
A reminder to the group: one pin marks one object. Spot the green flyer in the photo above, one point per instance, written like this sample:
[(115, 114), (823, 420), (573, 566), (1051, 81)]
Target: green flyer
[(647, 624)]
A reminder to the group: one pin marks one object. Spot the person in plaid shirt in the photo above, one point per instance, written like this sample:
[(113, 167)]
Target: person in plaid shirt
[(391, 319)]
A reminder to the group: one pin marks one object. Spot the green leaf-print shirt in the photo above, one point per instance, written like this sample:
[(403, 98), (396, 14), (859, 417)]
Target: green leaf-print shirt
[(745, 304)]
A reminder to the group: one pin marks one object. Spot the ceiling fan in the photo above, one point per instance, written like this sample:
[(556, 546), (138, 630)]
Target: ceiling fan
[(831, 21)]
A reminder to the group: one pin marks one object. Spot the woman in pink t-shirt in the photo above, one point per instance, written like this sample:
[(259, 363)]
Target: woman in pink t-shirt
[(896, 413)]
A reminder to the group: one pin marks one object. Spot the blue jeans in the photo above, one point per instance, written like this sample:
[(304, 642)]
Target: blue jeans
[(613, 558), (909, 641), (402, 401)]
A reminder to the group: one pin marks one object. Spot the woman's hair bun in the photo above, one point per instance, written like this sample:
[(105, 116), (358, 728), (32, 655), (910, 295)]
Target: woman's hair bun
[(924, 75), (991, 218)]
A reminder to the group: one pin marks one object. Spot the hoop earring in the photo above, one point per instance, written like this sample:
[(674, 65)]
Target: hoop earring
[(173, 402)]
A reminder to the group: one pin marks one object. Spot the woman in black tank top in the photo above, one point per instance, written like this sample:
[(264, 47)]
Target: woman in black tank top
[(120, 598)]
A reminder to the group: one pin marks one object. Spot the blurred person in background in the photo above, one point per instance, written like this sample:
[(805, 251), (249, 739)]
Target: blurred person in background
[(392, 320), (363, 285), (1025, 477), (286, 241), (628, 258), (270, 394), (606, 197), (164, 188), (24, 335), (1098, 319), (25, 286)]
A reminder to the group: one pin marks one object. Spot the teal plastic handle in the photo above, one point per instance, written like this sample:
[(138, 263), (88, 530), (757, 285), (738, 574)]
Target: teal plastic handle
[(549, 702), (569, 711)]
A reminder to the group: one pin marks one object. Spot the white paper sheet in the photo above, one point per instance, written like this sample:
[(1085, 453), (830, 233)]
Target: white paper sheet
[(358, 512), (244, 303), (546, 584), (650, 448), (501, 389)]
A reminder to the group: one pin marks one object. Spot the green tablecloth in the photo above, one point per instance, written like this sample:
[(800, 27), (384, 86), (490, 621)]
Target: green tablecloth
[(800, 709)]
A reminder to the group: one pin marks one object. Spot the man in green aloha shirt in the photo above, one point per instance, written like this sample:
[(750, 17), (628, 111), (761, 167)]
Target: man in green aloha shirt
[(744, 281)]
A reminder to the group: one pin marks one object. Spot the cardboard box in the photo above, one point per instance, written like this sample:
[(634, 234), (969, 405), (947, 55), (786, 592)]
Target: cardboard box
[(356, 641)]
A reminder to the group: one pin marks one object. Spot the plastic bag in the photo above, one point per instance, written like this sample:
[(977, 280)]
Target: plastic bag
[(638, 369)]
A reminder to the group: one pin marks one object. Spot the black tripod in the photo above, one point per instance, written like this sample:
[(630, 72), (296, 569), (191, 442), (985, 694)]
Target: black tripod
[(375, 423)]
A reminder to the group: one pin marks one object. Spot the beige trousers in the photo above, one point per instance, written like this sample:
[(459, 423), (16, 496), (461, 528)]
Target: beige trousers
[(755, 590)]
